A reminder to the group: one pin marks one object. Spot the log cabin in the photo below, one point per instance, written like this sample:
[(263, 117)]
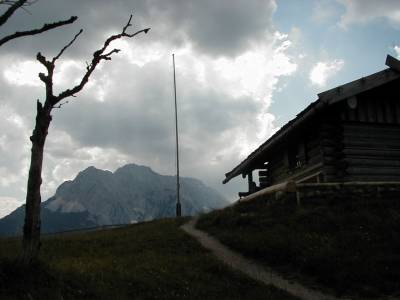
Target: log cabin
[(350, 133)]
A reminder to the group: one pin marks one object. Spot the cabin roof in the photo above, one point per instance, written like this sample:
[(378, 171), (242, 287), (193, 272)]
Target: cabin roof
[(324, 100)]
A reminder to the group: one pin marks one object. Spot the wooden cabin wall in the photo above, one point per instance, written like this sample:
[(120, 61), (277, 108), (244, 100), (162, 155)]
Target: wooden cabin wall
[(372, 152), (279, 167), (331, 142), (371, 136)]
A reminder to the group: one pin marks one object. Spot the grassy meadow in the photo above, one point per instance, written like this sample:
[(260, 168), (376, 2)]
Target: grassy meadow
[(351, 246), (152, 260)]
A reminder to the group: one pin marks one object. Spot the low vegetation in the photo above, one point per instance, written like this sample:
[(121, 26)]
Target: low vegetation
[(351, 246), (153, 260)]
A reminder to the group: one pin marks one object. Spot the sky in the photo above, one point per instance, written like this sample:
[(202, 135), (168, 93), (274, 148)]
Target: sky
[(243, 69)]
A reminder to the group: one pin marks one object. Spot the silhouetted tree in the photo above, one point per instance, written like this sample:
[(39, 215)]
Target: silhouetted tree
[(31, 239), (14, 5)]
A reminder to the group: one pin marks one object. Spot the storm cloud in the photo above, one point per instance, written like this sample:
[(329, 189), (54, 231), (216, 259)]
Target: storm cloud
[(229, 61)]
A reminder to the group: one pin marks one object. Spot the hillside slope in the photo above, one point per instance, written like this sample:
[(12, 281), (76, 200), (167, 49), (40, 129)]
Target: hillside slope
[(150, 260), (347, 246)]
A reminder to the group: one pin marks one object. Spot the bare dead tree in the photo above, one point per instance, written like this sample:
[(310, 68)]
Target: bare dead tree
[(14, 5), (31, 238)]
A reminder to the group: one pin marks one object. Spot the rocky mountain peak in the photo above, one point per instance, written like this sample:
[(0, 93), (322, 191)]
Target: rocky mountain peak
[(133, 193)]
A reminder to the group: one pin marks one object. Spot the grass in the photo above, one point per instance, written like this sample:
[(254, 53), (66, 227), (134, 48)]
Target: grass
[(351, 246), (152, 260)]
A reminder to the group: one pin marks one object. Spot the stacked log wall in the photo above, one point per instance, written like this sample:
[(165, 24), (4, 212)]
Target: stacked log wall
[(372, 152), (279, 169), (371, 136), (277, 166), (331, 143)]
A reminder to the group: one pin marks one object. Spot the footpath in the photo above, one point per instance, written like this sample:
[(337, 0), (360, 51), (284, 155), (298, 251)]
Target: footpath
[(237, 261)]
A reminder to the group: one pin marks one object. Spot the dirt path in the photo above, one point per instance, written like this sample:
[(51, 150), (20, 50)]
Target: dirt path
[(252, 269)]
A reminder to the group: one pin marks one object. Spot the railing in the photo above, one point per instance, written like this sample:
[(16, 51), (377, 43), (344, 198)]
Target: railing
[(295, 187)]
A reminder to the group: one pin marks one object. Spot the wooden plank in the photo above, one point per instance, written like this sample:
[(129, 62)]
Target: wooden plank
[(371, 152), (372, 144), (371, 162), (312, 143), (287, 186), (329, 151), (365, 170), (274, 169), (397, 111), (371, 138), (368, 130), (389, 112), (315, 159), (371, 112), (362, 126), (311, 177), (352, 114), (361, 113), (330, 159), (350, 183), (306, 171), (332, 142), (372, 178), (369, 157), (329, 169), (382, 138), (314, 152), (380, 115), (330, 178)]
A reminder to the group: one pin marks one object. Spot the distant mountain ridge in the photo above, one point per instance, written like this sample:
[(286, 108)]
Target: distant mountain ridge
[(131, 194)]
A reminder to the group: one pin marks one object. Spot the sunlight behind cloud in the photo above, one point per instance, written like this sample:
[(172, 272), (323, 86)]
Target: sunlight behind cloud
[(255, 72), (322, 71), (397, 50), (24, 73)]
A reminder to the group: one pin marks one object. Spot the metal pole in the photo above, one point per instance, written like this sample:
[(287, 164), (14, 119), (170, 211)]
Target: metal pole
[(178, 201)]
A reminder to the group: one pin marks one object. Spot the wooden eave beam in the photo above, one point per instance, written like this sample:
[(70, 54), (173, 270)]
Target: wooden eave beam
[(358, 86), (393, 63)]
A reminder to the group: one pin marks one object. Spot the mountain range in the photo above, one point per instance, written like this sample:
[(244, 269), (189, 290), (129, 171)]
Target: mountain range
[(131, 194)]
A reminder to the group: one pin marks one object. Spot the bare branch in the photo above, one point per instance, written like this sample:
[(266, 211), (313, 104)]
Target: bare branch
[(66, 46), (107, 56), (42, 59), (98, 56), (11, 10), (137, 32), (44, 28), (12, 2), (60, 105), (122, 34)]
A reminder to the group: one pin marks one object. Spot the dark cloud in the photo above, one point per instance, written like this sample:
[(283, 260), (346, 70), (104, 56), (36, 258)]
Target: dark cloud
[(221, 28), (137, 115), (125, 113)]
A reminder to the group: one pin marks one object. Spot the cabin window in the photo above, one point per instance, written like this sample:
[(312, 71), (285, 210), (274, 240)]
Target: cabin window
[(297, 156)]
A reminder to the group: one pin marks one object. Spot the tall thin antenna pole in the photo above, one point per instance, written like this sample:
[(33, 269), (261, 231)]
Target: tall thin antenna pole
[(178, 200)]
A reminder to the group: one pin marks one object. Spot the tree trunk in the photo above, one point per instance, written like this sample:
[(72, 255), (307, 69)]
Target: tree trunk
[(31, 238)]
